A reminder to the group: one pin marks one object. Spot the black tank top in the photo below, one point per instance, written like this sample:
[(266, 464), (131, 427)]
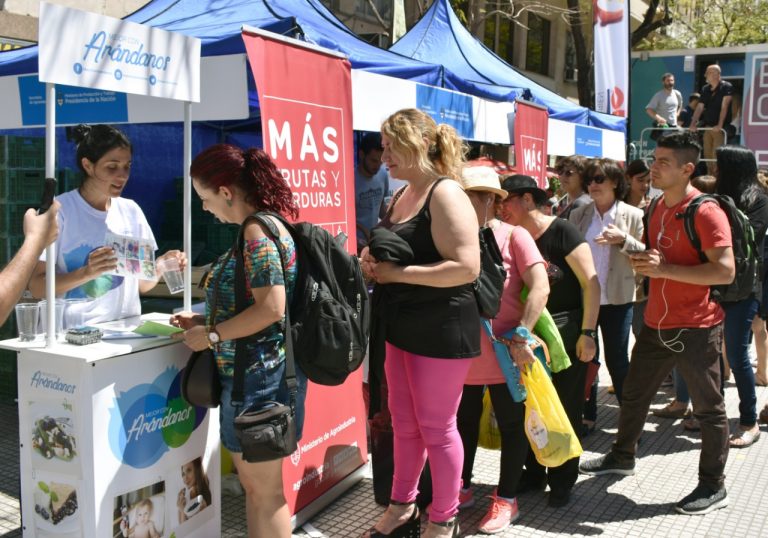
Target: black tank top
[(439, 322)]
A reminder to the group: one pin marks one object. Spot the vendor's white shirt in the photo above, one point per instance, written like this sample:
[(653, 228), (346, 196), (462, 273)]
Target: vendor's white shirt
[(82, 229)]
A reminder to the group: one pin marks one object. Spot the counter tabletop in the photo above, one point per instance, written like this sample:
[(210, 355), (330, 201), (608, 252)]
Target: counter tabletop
[(119, 339)]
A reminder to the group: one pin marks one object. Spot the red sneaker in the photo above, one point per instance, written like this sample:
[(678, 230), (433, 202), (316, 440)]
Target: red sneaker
[(501, 515), (466, 498)]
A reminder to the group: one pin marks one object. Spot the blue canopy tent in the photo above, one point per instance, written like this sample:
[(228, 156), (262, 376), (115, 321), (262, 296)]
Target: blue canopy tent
[(472, 68), (218, 24)]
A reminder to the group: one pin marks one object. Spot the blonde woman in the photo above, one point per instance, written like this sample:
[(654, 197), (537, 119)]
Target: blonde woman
[(431, 316)]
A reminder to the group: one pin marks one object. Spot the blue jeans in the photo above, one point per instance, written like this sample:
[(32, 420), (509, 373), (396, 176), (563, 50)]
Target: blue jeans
[(615, 322), (738, 327), (261, 385), (681, 389)]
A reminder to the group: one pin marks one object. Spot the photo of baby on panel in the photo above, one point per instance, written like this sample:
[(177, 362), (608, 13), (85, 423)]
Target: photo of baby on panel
[(140, 513)]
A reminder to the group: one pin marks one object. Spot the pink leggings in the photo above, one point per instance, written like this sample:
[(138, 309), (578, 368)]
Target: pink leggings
[(424, 395)]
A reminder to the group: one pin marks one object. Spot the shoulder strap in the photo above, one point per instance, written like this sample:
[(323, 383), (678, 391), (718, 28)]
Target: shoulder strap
[(690, 225), (647, 219), (425, 208), (272, 233)]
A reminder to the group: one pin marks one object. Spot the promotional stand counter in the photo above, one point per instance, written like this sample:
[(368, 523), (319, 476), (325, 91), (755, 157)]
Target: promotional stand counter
[(106, 437)]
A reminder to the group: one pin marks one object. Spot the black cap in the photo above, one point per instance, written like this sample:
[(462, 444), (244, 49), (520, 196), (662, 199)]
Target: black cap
[(520, 184)]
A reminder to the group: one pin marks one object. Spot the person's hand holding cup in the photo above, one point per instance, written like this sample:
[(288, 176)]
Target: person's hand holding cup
[(171, 266)]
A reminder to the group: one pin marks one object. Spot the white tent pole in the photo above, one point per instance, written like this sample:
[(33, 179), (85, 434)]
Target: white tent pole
[(50, 251), (188, 205)]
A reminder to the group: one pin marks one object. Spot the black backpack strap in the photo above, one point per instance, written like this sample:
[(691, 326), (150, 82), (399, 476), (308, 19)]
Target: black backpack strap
[(647, 219), (690, 225), (273, 234)]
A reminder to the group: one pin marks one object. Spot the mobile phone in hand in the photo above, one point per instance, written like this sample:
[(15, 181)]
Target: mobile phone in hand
[(49, 190)]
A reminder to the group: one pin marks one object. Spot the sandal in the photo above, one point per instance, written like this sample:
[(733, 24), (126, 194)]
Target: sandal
[(411, 528), (744, 438)]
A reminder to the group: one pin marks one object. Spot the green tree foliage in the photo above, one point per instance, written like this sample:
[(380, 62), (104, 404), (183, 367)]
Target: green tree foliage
[(724, 23)]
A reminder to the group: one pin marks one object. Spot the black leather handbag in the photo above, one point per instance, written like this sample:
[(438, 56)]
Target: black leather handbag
[(200, 384), (267, 430), (490, 282)]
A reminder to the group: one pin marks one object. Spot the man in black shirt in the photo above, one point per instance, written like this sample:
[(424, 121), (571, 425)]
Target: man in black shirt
[(686, 114), (714, 111)]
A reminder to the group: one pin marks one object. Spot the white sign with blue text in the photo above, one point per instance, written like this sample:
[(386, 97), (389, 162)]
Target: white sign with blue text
[(83, 49)]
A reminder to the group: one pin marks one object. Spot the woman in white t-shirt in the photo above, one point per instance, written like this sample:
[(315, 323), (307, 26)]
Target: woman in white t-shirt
[(87, 214)]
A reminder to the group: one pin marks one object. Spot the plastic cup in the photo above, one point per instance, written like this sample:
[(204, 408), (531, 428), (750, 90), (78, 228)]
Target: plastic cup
[(74, 312), (60, 304), (172, 274), (27, 315)]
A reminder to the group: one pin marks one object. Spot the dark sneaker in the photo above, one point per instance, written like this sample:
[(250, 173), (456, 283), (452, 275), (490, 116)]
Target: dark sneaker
[(702, 500), (607, 464)]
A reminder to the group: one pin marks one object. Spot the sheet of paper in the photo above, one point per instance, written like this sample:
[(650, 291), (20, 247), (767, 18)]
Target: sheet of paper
[(154, 328)]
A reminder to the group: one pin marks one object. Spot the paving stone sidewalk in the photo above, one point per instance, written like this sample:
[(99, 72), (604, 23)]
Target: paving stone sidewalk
[(637, 506)]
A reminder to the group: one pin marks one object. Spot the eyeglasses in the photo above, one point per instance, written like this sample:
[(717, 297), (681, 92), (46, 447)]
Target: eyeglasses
[(597, 178), (566, 172)]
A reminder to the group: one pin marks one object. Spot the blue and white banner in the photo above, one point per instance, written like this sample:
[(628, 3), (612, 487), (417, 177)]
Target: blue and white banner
[(83, 49), (611, 30)]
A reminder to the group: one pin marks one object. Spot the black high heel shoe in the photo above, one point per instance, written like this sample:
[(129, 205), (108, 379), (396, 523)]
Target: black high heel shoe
[(451, 523), (410, 529)]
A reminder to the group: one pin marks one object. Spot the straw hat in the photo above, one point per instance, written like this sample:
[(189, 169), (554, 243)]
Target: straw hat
[(481, 178)]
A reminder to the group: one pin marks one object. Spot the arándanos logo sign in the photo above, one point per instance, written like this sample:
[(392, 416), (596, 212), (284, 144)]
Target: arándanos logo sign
[(149, 419)]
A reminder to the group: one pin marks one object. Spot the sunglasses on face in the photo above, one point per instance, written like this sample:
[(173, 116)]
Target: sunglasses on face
[(597, 178), (566, 172)]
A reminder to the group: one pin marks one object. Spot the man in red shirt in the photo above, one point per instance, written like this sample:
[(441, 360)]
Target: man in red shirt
[(683, 327)]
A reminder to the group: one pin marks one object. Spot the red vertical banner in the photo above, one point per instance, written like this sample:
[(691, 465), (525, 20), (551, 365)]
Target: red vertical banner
[(531, 141), (305, 97)]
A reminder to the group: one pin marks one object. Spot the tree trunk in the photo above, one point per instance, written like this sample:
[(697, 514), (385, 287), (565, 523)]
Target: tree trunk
[(583, 57)]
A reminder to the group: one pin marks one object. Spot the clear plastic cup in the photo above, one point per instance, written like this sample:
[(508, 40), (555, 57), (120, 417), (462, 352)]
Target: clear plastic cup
[(172, 274), (60, 305), (74, 312), (27, 315)]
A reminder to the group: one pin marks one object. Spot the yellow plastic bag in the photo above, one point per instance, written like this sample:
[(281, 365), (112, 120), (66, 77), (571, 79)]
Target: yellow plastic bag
[(490, 436), (549, 431)]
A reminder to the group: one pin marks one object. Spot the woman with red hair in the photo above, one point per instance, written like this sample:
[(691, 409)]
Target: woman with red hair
[(233, 184)]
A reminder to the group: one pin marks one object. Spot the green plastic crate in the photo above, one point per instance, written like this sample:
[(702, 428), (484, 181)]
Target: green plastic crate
[(9, 389), (21, 185), (22, 152)]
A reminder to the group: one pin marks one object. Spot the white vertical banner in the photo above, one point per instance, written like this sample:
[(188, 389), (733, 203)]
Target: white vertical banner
[(611, 32)]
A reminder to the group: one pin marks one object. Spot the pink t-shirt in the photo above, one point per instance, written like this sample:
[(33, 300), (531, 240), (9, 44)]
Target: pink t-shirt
[(519, 252)]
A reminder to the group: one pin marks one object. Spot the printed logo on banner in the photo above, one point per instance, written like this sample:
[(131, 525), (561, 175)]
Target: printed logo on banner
[(149, 419), (589, 141), (49, 381), (73, 105), (758, 103), (308, 153), (755, 127), (445, 106), (532, 151)]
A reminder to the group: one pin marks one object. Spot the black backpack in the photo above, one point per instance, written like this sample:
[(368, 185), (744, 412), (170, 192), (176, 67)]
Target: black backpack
[(745, 251), (330, 310)]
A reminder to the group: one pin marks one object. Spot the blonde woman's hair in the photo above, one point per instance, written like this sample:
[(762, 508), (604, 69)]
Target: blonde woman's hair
[(408, 128)]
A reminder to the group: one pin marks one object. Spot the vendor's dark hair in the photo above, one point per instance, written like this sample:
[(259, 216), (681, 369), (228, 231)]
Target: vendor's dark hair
[(612, 170), (251, 170), (93, 141)]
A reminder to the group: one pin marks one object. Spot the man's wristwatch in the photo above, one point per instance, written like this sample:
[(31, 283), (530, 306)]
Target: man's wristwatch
[(213, 337), (591, 333)]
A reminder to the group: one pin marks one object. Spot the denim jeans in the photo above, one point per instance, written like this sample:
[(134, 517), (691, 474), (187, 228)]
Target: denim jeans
[(615, 322), (738, 327), (696, 353)]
